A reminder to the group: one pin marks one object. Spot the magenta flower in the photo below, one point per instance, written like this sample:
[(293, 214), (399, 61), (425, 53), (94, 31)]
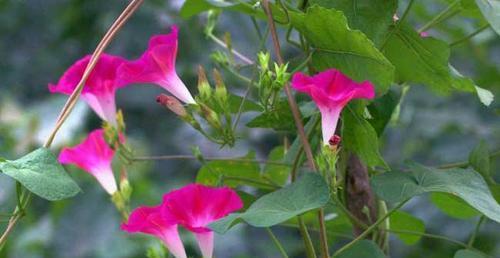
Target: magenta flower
[(195, 206), (158, 222), (99, 90), (157, 65), (94, 156), (331, 91)]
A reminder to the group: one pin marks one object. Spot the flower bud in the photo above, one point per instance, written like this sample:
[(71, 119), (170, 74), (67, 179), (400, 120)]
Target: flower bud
[(173, 104), (220, 89), (203, 86), (211, 116)]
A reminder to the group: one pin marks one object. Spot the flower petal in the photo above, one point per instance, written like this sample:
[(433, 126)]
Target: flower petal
[(195, 205), (157, 65), (206, 243), (100, 87), (94, 156), (331, 90)]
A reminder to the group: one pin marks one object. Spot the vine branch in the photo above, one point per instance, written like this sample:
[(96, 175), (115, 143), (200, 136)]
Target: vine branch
[(71, 102)]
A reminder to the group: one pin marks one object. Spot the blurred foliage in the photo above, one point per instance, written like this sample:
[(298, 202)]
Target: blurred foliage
[(39, 39)]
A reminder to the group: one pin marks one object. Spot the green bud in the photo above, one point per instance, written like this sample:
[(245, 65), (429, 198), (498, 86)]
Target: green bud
[(203, 86), (125, 189), (220, 90), (264, 59), (211, 116), (220, 58)]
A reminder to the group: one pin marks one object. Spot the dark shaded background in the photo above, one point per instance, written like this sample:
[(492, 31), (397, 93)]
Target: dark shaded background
[(39, 39)]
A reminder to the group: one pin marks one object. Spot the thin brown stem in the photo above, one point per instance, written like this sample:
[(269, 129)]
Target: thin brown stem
[(298, 122)]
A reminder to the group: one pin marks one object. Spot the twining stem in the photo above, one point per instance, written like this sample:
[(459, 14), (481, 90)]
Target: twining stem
[(298, 122), (470, 244), (443, 15), (277, 243), (369, 229), (70, 103), (481, 29)]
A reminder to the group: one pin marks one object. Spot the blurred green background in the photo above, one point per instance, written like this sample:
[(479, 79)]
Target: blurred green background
[(39, 39)]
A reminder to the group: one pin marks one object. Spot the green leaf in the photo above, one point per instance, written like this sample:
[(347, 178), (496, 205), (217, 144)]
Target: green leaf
[(307, 193), (466, 84), (2, 159), (359, 136), (364, 249), (372, 17), (193, 7), (381, 110), (280, 118), (338, 46), (464, 183), (419, 59), (275, 172), (221, 226), (403, 221), (491, 11), (453, 206), (467, 253), (231, 173), (479, 159), (42, 175)]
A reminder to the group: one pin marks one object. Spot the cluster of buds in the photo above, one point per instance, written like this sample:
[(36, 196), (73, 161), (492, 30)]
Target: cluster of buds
[(327, 160), (114, 136), (212, 105), (271, 82)]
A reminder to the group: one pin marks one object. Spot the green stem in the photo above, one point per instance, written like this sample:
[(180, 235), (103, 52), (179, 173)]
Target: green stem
[(249, 180), (277, 243), (409, 232), (464, 163), (310, 252), (173, 157), (398, 24), (233, 51), (369, 229), (481, 29), (443, 15), (476, 230)]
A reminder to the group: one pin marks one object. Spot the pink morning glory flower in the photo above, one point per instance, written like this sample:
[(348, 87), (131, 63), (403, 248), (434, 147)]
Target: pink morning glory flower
[(99, 90), (331, 91), (94, 156), (158, 222), (157, 66), (195, 206)]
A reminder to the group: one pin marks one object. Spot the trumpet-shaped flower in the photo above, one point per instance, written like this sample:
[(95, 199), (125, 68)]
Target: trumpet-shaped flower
[(100, 87), (157, 66), (158, 222), (94, 156), (331, 91), (195, 206)]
